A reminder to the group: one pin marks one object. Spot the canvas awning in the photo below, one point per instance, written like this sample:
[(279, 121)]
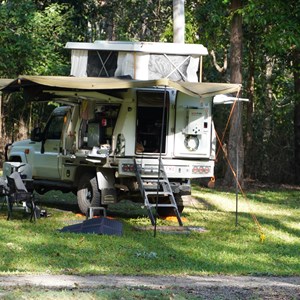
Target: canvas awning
[(4, 82), (37, 85)]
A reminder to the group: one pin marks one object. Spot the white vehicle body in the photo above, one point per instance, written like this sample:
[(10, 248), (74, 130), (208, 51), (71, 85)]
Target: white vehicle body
[(90, 143)]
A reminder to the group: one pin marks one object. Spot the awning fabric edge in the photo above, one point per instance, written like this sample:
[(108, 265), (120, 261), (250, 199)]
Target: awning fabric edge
[(101, 83)]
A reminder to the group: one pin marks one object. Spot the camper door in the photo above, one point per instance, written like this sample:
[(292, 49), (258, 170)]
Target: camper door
[(152, 120), (192, 127)]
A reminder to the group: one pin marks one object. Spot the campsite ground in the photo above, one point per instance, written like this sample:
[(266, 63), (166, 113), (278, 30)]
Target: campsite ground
[(39, 263), (148, 287)]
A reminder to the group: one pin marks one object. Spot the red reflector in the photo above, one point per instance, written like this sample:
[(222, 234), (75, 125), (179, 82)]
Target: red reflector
[(103, 122), (26, 151)]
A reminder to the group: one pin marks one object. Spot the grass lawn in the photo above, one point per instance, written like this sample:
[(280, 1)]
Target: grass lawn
[(223, 249)]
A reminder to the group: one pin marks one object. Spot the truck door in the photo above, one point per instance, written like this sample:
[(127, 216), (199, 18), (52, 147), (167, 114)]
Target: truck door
[(46, 159)]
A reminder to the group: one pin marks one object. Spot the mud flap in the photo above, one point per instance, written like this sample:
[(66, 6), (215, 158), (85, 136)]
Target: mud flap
[(106, 184)]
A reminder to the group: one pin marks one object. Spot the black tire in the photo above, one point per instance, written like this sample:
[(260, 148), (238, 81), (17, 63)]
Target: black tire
[(88, 194), (169, 211), (41, 190)]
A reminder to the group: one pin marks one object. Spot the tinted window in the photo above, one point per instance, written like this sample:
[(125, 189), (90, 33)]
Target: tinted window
[(54, 128)]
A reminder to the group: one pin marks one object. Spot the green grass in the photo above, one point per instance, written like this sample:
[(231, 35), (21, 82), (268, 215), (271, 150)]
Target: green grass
[(223, 249)]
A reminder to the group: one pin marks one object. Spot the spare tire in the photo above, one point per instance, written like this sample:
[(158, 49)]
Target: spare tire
[(88, 194)]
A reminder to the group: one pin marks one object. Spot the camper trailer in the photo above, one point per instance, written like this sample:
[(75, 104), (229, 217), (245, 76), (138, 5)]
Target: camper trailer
[(133, 120)]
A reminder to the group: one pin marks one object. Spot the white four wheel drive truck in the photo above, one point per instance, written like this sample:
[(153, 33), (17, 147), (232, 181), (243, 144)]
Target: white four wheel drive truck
[(133, 119)]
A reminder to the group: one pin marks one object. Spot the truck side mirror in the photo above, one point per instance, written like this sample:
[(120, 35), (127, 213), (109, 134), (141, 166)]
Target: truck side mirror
[(36, 134)]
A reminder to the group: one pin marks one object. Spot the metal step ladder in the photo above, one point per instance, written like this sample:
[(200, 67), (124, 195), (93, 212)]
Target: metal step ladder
[(155, 185)]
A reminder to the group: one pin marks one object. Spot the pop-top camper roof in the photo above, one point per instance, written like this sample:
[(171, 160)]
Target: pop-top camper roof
[(142, 47), (139, 60), (103, 69)]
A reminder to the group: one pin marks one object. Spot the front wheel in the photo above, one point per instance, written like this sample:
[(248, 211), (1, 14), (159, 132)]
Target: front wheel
[(88, 194)]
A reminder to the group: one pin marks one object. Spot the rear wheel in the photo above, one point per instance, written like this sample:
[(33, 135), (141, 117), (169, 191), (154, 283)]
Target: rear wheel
[(169, 211), (88, 194)]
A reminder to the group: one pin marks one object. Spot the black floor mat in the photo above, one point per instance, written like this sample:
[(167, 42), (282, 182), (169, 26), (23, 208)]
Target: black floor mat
[(101, 225)]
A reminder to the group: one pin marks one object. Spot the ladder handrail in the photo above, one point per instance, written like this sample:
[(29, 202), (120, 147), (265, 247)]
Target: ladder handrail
[(163, 183)]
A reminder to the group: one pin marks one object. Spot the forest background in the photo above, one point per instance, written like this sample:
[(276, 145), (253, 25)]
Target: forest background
[(33, 34)]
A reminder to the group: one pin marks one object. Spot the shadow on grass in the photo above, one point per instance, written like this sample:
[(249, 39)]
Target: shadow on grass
[(284, 195), (68, 202), (280, 226), (285, 198), (58, 200), (127, 209), (204, 204)]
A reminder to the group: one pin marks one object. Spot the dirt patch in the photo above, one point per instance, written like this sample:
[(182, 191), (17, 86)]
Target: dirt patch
[(202, 287)]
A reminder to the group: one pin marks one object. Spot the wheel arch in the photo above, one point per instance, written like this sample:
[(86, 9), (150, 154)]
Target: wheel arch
[(17, 157)]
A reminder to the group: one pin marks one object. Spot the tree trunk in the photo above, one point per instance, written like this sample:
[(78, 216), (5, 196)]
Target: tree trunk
[(178, 21), (296, 65), (249, 149), (267, 130), (235, 143)]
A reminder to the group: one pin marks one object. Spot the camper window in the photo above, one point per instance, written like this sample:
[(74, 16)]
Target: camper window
[(101, 63), (151, 121)]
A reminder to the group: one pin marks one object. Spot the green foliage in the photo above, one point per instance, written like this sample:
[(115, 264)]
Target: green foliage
[(273, 126), (270, 32), (15, 38), (50, 34), (32, 43), (213, 24), (133, 20)]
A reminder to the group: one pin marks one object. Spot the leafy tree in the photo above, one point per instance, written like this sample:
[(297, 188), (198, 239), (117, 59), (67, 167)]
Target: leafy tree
[(16, 37), (132, 20), (268, 67), (272, 32), (32, 43)]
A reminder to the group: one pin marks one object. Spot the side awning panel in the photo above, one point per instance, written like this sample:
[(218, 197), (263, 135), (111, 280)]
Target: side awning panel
[(102, 84)]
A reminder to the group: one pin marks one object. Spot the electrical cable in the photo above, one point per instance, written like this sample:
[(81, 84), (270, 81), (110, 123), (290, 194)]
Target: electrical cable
[(262, 235)]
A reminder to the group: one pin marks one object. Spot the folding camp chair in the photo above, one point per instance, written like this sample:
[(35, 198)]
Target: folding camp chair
[(18, 194), (3, 191)]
